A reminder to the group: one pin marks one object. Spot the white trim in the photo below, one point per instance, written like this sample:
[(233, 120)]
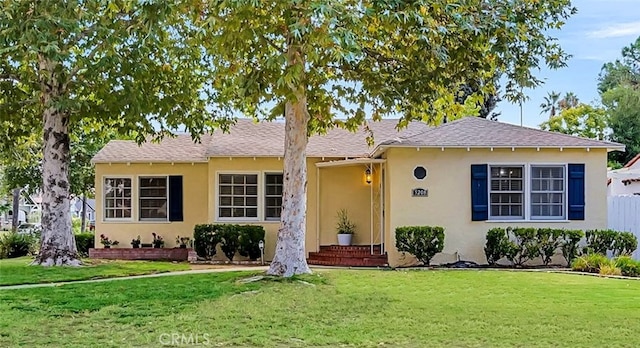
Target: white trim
[(350, 162), (133, 198), (216, 197), (378, 150), (264, 196), (565, 190), (153, 220), (526, 192)]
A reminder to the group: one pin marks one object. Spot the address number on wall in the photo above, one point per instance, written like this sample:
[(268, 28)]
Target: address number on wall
[(419, 192)]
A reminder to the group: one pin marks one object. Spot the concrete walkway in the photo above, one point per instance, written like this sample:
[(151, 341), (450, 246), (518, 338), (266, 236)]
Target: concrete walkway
[(155, 275)]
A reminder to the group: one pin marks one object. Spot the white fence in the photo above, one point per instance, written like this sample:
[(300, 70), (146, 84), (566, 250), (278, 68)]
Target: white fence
[(624, 215)]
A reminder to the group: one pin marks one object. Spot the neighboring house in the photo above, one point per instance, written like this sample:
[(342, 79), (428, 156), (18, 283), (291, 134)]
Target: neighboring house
[(626, 180), (467, 176), (29, 209), (76, 208)]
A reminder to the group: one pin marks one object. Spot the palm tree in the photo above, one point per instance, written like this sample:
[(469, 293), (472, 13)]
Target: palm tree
[(569, 101), (550, 104)]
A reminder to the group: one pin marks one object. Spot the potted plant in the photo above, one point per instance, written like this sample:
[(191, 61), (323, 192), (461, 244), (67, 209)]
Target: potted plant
[(106, 242), (346, 228), (135, 243), (158, 242), (182, 241)]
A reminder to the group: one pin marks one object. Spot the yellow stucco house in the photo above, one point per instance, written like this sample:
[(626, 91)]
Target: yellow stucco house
[(467, 176)]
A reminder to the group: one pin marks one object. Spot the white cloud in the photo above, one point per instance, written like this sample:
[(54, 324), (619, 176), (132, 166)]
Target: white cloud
[(617, 30)]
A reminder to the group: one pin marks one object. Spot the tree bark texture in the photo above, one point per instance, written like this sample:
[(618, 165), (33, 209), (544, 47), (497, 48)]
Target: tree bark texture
[(57, 245), (290, 256), (15, 212)]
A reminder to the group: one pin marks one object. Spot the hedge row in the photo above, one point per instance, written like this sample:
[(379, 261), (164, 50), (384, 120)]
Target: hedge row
[(520, 244), (242, 239)]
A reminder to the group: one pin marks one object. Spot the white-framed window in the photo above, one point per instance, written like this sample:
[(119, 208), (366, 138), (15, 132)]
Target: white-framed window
[(272, 196), (153, 198), (548, 192), (506, 192), (527, 192), (117, 198), (238, 196)]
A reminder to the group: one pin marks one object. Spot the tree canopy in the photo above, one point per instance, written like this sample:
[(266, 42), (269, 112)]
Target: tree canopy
[(582, 120), (326, 64), (619, 85)]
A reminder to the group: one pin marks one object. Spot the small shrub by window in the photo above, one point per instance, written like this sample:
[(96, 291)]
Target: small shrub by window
[(16, 245), (497, 245), (569, 244), (625, 243), (599, 241), (229, 240), (603, 241), (206, 239), (249, 239), (523, 245), (548, 241), (423, 242), (85, 241)]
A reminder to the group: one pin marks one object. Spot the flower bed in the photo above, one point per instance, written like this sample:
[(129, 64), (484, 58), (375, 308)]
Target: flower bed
[(173, 254)]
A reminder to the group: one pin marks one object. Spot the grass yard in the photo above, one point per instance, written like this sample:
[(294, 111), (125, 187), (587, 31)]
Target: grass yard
[(341, 308), (17, 271)]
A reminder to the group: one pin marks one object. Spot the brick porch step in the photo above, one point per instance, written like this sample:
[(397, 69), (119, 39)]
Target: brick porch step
[(352, 256)]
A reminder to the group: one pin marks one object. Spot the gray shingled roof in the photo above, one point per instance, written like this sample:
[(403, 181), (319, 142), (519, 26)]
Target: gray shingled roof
[(249, 139), (479, 132), (266, 139), (177, 149)]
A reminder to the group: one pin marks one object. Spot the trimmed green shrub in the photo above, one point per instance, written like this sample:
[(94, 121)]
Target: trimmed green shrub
[(523, 245), (16, 245), (84, 241), (249, 239), (628, 266), (590, 263), (229, 240), (548, 241), (423, 242), (599, 241), (569, 244), (206, 239), (625, 243), (497, 245)]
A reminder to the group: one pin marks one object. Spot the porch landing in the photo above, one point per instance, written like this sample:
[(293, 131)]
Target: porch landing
[(353, 255)]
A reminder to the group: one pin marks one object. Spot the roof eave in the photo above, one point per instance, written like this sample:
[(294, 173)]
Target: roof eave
[(380, 149)]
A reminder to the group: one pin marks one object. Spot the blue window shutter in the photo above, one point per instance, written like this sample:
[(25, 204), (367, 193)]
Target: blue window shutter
[(576, 192), (175, 198), (479, 192)]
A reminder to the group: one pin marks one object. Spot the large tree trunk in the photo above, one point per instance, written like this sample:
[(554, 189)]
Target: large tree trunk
[(290, 257), (15, 212), (84, 213), (58, 245)]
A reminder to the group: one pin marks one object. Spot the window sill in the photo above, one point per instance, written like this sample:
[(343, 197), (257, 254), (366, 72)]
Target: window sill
[(527, 221), (225, 221)]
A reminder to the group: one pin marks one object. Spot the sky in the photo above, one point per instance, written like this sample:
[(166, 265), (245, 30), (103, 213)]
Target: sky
[(593, 36)]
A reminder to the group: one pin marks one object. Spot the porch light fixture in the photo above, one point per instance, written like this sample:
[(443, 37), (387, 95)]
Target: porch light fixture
[(367, 175)]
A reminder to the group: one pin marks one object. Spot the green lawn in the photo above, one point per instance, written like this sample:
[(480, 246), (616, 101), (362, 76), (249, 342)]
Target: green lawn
[(342, 308), (18, 271)]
